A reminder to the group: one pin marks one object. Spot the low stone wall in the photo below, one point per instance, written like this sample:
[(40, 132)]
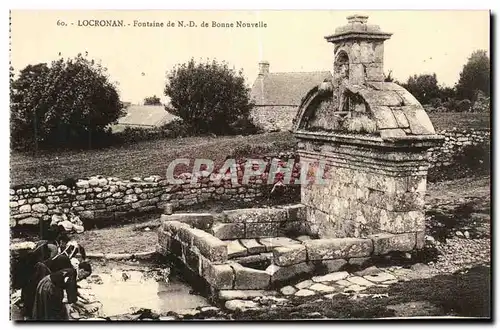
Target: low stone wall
[(212, 259), (112, 198), (273, 118), (454, 144)]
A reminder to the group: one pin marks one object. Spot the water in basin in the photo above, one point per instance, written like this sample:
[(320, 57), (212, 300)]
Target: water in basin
[(123, 290)]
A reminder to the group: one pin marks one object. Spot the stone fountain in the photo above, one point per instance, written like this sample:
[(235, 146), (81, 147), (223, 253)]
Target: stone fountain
[(373, 138)]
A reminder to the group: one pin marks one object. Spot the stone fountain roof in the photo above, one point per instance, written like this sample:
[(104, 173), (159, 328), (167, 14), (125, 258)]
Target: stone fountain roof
[(396, 112), (357, 27)]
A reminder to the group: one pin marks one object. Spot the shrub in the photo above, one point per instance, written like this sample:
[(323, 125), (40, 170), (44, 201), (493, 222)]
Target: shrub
[(67, 104), (174, 129), (435, 102), (464, 105), (210, 97)]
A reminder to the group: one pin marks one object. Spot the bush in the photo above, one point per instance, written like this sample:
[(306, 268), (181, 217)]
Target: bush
[(464, 105), (210, 97), (472, 160), (435, 102), (67, 104), (451, 105), (174, 129)]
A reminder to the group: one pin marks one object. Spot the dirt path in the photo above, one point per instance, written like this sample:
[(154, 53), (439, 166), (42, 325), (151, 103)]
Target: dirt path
[(458, 189)]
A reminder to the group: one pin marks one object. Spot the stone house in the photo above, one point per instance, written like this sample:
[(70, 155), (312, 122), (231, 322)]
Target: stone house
[(277, 95)]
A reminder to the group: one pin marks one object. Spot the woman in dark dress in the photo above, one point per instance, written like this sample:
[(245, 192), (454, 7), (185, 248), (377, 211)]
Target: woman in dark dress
[(49, 296)]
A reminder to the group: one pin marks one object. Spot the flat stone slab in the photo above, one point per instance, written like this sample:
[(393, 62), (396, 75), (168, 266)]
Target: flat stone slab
[(344, 283), (360, 281), (254, 258), (304, 238), (249, 278), (304, 293), (338, 248), (380, 277), (272, 242), (235, 249), (373, 270), (241, 305), (288, 290), (321, 288), (253, 215), (384, 243), (304, 284), (279, 273), (219, 276), (354, 288), (332, 277), (197, 220), (244, 294), (289, 255), (253, 246), (227, 231)]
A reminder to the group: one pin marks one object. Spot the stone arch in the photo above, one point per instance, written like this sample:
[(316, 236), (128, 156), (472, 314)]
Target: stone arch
[(396, 112), (341, 66)]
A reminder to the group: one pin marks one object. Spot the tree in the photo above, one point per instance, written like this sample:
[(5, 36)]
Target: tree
[(209, 97), (424, 87), (475, 76), (64, 104), (152, 100)]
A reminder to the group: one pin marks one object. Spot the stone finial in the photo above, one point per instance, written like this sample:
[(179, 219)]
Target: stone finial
[(363, 19)]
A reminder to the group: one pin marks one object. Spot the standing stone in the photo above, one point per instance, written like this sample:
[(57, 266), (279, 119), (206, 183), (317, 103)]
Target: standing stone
[(168, 209)]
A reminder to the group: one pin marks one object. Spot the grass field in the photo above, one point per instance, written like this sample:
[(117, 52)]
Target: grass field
[(152, 157), (459, 120), (140, 159)]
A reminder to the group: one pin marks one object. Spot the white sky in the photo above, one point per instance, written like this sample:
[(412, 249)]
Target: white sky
[(422, 42)]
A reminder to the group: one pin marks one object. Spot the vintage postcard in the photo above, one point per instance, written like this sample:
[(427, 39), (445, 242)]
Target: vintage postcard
[(249, 165)]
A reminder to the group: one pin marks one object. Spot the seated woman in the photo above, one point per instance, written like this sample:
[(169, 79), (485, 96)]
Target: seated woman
[(49, 296)]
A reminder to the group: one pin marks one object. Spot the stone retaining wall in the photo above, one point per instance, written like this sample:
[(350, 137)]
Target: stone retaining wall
[(112, 198), (455, 142), (211, 258)]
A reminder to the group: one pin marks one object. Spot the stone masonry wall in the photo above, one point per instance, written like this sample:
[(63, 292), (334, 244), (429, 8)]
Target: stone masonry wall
[(455, 142), (273, 118), (112, 198), (366, 191), (184, 236)]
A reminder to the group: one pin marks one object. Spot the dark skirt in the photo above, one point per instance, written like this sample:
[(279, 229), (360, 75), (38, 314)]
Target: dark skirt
[(48, 303)]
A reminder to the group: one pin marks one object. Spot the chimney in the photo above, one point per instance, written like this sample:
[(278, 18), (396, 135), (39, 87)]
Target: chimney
[(263, 68)]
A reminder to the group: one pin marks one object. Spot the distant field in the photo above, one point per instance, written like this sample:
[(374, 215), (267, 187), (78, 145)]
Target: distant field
[(139, 159), (449, 120), (152, 157)]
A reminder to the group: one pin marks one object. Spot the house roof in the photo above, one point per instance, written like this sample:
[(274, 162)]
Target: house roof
[(285, 88), (145, 116)]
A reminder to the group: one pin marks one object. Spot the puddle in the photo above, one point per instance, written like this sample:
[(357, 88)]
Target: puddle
[(126, 289)]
